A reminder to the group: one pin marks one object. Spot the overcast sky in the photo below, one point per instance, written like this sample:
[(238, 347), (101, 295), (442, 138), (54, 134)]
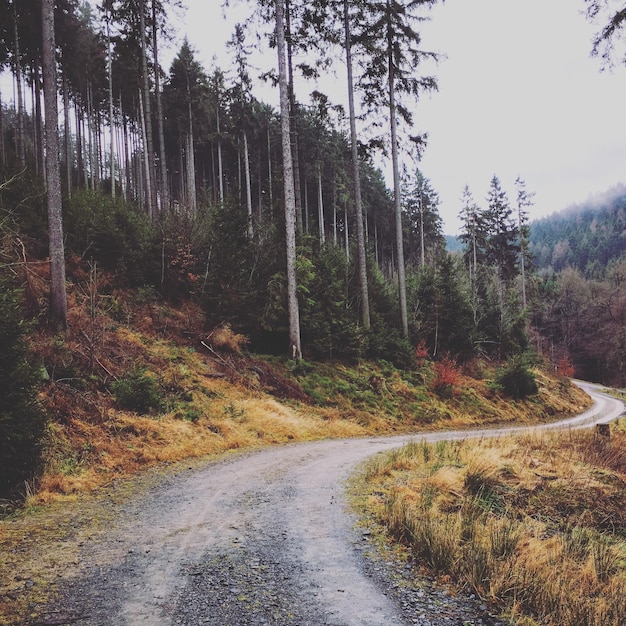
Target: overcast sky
[(519, 95)]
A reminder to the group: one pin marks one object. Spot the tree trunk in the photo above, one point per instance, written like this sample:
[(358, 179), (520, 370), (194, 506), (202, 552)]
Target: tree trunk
[(149, 148), (20, 139), (358, 202), (58, 296), (164, 186), (270, 189), (38, 130), (320, 207), (67, 138), (220, 170), (396, 192), (110, 73), (79, 146), (191, 167), (3, 156), (146, 158), (293, 118), (246, 165), (290, 203)]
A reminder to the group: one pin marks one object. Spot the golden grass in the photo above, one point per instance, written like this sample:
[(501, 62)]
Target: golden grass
[(534, 524)]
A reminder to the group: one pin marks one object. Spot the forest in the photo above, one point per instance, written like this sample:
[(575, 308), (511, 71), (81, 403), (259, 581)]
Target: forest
[(179, 183)]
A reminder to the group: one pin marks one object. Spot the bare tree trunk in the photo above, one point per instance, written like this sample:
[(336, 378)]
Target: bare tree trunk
[(220, 171), (148, 145), (246, 166), (39, 131), (58, 296), (191, 167), (396, 196), (111, 119), (90, 140), (290, 202), (422, 243), (269, 171), (346, 233), (67, 138), (164, 187), (20, 140), (146, 159), (293, 119), (358, 202), (320, 207)]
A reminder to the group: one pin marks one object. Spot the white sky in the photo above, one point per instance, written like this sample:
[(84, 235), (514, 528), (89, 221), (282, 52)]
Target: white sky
[(519, 95)]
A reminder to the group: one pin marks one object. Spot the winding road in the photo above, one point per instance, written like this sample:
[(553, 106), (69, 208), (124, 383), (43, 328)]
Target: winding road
[(260, 538)]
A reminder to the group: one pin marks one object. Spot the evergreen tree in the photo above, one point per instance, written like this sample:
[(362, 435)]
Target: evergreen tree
[(424, 237), (22, 421), (503, 233), (393, 54), (524, 200)]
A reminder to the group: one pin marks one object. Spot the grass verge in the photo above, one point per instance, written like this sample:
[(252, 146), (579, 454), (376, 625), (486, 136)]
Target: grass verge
[(534, 524)]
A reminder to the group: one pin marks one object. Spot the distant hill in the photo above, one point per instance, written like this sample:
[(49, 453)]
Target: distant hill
[(453, 244), (585, 236)]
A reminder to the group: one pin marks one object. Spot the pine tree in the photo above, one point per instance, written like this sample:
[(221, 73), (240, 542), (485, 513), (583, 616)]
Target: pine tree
[(393, 55)]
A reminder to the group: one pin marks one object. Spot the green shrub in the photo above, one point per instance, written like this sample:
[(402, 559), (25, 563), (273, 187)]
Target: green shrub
[(516, 379), (22, 421), (138, 392)]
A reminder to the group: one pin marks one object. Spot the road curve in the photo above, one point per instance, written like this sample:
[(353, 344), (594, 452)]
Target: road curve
[(260, 538)]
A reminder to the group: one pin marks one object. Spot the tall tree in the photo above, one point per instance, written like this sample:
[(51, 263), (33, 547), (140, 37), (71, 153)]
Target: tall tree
[(524, 200), (58, 297), (423, 228), (472, 234), (393, 55), (186, 97), (241, 109), (151, 204), (503, 243), (356, 175), (288, 181)]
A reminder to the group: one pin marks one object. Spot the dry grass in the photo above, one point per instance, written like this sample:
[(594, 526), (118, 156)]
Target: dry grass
[(534, 524)]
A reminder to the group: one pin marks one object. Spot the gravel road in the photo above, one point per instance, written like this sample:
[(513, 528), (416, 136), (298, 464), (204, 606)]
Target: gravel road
[(260, 538)]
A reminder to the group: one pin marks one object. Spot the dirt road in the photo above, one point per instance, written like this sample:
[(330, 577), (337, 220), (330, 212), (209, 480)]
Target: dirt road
[(260, 538)]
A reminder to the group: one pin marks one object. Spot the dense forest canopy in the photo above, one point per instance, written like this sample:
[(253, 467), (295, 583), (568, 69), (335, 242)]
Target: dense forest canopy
[(277, 220)]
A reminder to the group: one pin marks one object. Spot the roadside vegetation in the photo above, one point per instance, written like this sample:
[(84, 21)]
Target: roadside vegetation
[(533, 524)]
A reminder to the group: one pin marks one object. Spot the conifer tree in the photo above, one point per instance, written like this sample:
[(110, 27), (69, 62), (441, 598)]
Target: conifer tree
[(393, 55)]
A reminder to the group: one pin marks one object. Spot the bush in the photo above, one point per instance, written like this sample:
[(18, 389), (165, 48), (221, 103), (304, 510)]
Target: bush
[(516, 379), (114, 234), (447, 377), (22, 421), (138, 392)]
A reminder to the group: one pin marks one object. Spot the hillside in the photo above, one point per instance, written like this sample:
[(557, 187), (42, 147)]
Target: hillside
[(141, 382), (586, 236)]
